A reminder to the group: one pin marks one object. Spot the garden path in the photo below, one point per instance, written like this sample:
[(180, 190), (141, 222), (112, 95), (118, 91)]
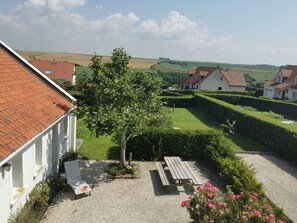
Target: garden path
[(279, 179)]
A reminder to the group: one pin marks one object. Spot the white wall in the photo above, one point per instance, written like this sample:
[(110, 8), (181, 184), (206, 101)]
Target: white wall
[(216, 80), (29, 175)]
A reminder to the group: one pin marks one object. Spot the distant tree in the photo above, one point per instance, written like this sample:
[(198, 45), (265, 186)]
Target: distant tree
[(115, 99)]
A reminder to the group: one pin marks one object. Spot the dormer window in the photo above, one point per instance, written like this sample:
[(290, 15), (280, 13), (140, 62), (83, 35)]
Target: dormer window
[(47, 72), (279, 79)]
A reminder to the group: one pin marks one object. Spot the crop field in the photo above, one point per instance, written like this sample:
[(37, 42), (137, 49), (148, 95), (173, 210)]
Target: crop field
[(83, 59)]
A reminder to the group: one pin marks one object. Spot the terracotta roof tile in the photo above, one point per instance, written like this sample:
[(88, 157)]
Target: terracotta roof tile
[(28, 104), (235, 78), (58, 69)]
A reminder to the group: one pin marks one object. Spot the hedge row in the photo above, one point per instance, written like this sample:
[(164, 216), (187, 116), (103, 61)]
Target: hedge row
[(179, 102), (278, 136), (249, 93), (210, 146), (287, 109)]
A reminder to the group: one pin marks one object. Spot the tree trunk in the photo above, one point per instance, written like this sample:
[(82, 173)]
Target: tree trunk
[(123, 149)]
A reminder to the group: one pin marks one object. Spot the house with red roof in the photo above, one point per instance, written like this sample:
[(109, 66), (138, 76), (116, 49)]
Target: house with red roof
[(60, 70), (213, 78), (284, 85), (37, 126)]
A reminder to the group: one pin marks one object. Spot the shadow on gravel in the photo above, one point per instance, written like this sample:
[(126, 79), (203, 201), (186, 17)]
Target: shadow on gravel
[(283, 164), (160, 190), (94, 172)]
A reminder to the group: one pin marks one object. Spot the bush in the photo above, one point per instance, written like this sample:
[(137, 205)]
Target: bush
[(249, 93), (66, 157), (210, 205), (179, 102), (40, 195), (116, 169), (287, 109), (210, 146), (280, 137)]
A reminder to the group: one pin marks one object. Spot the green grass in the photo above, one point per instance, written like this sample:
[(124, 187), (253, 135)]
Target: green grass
[(261, 73), (93, 148), (187, 119), (196, 119)]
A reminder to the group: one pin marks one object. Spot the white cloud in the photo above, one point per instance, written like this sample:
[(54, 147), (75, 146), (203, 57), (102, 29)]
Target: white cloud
[(35, 3), (115, 23), (64, 5)]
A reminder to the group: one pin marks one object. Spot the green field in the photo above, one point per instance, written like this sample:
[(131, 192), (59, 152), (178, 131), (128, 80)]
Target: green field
[(261, 73)]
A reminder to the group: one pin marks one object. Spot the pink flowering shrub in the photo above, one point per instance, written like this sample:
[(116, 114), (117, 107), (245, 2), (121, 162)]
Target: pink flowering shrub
[(210, 205)]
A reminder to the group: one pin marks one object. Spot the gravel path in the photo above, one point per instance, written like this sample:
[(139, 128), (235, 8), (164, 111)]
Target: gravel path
[(279, 179), (124, 200)]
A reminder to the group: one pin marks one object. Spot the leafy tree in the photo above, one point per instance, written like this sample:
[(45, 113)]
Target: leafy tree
[(115, 99)]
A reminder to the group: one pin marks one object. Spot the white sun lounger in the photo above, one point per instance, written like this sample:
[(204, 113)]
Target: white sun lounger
[(74, 178)]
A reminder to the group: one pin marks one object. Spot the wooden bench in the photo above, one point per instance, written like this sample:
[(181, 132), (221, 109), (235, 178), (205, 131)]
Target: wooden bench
[(190, 173), (162, 174)]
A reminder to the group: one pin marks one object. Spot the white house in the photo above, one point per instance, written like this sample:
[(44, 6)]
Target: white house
[(284, 85), (213, 78), (37, 126)]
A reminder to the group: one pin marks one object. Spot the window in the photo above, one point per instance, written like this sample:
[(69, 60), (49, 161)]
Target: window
[(279, 79), (48, 72), (219, 88), (38, 155), (221, 78)]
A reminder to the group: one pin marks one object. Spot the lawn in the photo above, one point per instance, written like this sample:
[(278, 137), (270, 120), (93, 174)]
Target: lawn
[(106, 147), (196, 119), (101, 148)]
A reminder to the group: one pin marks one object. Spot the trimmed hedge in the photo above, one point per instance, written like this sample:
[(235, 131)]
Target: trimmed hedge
[(210, 146), (179, 102), (278, 136), (285, 108), (250, 93)]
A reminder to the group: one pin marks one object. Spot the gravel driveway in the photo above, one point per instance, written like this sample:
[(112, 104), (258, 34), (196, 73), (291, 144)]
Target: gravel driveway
[(279, 179), (124, 200)]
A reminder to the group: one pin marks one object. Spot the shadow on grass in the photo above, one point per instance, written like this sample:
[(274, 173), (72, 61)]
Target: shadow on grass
[(113, 153), (239, 142), (203, 117)]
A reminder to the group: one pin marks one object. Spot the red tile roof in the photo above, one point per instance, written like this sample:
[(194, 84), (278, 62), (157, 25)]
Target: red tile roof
[(29, 103), (289, 74), (196, 75), (235, 78), (58, 69)]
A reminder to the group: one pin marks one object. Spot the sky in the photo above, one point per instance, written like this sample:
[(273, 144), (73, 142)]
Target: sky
[(231, 31)]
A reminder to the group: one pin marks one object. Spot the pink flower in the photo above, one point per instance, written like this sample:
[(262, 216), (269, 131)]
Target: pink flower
[(227, 210), (232, 196), (271, 216), (267, 206), (220, 203), (185, 203), (182, 204), (280, 221), (215, 189), (241, 194), (208, 185), (254, 198), (211, 206), (255, 194), (210, 196), (199, 188), (257, 213)]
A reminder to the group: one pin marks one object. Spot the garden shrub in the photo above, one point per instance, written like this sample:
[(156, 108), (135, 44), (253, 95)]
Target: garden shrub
[(208, 145), (279, 137), (40, 195), (68, 156), (249, 93), (208, 204), (179, 102), (287, 109)]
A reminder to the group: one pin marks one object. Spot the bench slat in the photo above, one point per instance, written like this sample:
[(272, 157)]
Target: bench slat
[(162, 174), (194, 178)]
